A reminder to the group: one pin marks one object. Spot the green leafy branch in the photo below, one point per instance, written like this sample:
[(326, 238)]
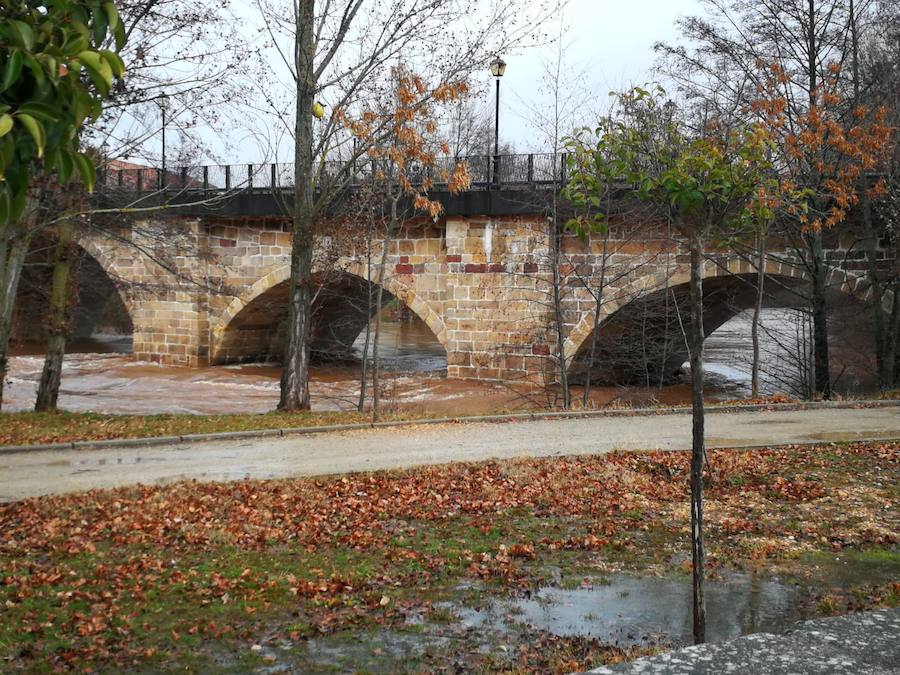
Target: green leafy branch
[(55, 70)]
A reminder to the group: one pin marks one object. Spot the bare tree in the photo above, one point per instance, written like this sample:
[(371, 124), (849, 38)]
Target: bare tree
[(875, 75), (339, 55), (567, 110)]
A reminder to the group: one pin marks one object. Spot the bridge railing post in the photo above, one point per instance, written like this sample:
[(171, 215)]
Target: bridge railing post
[(205, 179), (139, 183), (250, 176), (274, 176), (184, 178), (530, 176), (227, 177)]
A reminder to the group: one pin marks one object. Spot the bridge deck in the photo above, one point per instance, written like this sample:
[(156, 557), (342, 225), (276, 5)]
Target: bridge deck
[(486, 172), (503, 185)]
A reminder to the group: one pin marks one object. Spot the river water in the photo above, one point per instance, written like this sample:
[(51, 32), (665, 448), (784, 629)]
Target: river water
[(99, 375)]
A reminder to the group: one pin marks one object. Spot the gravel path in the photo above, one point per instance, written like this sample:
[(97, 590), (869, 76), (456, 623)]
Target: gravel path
[(868, 642), (35, 473)]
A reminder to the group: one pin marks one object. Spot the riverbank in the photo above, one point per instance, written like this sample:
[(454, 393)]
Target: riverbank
[(548, 564), (29, 428), (55, 430)]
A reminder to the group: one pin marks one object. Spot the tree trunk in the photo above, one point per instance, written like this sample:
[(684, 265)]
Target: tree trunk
[(598, 298), (382, 264), (295, 372), (883, 356), (757, 310), (698, 449), (376, 357), (894, 347), (892, 355), (363, 371), (57, 321), (556, 245), (821, 372), (14, 240)]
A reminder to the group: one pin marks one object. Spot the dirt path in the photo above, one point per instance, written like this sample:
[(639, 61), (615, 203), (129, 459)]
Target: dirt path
[(44, 472)]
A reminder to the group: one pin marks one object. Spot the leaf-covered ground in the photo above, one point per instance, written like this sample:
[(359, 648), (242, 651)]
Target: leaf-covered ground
[(249, 574)]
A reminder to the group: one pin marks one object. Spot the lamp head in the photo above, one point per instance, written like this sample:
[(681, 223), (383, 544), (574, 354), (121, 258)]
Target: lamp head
[(498, 67)]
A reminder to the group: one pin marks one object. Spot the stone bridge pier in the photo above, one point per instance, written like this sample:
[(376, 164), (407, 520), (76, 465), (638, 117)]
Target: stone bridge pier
[(209, 289)]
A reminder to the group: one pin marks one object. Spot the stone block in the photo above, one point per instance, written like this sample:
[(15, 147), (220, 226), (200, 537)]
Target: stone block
[(428, 247), (459, 358)]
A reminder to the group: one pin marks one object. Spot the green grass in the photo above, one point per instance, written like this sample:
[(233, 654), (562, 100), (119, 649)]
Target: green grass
[(29, 428)]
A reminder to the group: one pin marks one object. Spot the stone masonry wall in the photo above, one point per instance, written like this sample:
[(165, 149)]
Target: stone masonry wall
[(482, 285)]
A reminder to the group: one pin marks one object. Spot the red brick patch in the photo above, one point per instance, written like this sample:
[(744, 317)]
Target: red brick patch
[(404, 258), (540, 350), (476, 268), (531, 267), (227, 243), (403, 269), (496, 267), (454, 257)]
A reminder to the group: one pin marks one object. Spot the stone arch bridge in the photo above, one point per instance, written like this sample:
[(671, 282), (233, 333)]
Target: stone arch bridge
[(210, 286)]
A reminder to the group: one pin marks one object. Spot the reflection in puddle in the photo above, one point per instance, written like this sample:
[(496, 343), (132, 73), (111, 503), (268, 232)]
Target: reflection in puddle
[(636, 610), (621, 612)]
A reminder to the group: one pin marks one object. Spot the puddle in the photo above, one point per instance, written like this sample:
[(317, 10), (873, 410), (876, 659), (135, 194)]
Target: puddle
[(630, 611), (620, 612), (382, 651)]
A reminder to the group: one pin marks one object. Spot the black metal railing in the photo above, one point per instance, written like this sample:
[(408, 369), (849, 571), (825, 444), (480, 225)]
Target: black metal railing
[(512, 171)]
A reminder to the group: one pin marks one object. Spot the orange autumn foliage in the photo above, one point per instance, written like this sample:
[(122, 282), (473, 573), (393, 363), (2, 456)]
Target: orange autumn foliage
[(405, 136), (824, 153)]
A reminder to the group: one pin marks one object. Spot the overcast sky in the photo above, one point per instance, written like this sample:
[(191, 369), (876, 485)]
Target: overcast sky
[(607, 45), (609, 42)]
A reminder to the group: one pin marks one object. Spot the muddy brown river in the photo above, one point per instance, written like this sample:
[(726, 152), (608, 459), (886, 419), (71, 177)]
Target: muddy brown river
[(100, 375)]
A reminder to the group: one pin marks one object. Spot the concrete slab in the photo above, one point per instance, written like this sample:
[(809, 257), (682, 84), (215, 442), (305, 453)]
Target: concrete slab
[(856, 644)]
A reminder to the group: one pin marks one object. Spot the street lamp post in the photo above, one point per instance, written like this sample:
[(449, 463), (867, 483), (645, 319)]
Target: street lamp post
[(498, 67), (163, 102)]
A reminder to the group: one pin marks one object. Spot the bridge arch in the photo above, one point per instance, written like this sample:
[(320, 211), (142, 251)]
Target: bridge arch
[(96, 283), (106, 258), (728, 289), (348, 281)]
